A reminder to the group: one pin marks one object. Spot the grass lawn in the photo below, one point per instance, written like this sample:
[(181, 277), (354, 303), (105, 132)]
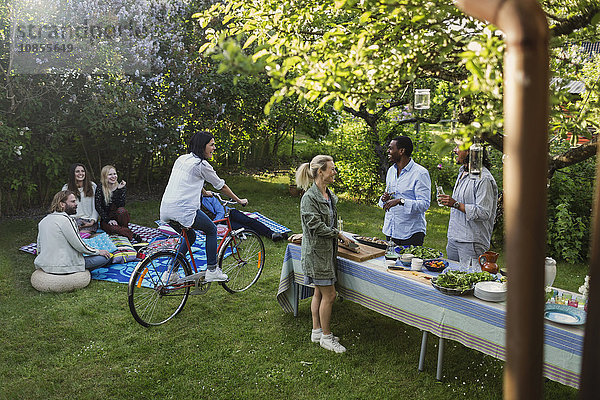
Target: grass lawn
[(86, 345)]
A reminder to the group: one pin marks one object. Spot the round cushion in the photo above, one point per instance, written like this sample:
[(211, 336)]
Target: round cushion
[(45, 282)]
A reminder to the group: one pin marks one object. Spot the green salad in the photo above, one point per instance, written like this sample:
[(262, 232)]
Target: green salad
[(461, 280), (421, 252)]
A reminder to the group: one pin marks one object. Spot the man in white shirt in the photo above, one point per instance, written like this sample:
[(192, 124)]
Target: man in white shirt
[(407, 195), (60, 249)]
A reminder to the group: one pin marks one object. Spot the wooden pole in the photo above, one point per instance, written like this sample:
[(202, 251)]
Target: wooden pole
[(590, 368), (525, 174)]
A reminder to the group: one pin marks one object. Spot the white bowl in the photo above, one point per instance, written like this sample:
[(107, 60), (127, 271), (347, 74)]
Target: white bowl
[(407, 257), (490, 291)]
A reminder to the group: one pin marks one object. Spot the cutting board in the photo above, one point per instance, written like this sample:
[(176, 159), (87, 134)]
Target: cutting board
[(365, 252), (414, 275)]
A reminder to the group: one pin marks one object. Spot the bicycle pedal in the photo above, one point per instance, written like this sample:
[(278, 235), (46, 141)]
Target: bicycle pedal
[(193, 278)]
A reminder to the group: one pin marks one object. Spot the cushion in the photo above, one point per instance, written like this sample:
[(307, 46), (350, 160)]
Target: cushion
[(45, 282), (158, 245), (167, 230), (101, 242), (124, 250)]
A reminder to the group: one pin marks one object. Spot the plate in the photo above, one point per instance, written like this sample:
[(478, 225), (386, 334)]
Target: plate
[(369, 242), (451, 292), (564, 314)]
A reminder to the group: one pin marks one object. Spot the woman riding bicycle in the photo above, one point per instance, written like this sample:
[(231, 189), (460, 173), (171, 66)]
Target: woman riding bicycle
[(182, 200)]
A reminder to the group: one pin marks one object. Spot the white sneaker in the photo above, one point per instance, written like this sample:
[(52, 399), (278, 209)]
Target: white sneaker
[(315, 336), (215, 275), (169, 280), (327, 342)]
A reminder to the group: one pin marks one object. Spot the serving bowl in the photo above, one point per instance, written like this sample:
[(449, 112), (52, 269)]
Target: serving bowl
[(406, 259), (451, 291), (490, 291), (435, 265)]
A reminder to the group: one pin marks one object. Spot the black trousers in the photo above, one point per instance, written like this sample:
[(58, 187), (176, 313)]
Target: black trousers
[(415, 240), (240, 220)]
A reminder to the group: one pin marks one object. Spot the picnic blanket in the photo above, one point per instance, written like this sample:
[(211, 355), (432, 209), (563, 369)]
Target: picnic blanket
[(274, 226), (147, 234), (120, 273)]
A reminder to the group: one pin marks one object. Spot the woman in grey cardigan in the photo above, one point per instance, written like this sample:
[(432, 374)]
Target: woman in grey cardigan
[(319, 244)]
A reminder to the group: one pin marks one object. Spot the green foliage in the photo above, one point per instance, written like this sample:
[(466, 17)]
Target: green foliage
[(353, 54), (566, 234), (569, 209), (355, 162)]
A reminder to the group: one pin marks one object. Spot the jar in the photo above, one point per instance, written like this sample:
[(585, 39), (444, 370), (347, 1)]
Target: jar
[(549, 271)]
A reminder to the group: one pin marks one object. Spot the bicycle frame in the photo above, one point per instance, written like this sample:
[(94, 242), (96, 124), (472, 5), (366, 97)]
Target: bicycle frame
[(220, 244)]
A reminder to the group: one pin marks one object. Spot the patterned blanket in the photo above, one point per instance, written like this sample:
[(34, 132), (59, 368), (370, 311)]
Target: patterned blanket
[(120, 273)]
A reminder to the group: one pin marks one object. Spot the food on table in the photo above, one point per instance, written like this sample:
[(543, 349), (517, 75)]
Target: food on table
[(371, 240), (435, 265), (421, 252), (461, 280)]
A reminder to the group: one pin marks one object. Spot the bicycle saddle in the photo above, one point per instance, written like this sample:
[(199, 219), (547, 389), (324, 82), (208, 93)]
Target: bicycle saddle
[(176, 225)]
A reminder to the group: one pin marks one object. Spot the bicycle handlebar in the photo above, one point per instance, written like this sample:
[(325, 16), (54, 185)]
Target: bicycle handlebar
[(224, 202)]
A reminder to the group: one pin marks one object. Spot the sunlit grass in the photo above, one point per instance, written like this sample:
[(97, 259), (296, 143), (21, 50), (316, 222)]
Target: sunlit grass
[(86, 344)]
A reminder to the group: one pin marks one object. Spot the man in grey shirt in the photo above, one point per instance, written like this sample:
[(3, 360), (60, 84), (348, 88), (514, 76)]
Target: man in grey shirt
[(473, 203)]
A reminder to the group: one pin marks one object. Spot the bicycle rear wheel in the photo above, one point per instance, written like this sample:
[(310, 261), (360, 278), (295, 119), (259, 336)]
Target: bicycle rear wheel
[(242, 258), (153, 301)]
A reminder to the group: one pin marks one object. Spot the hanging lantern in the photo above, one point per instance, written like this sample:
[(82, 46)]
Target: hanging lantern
[(422, 99), (475, 159)]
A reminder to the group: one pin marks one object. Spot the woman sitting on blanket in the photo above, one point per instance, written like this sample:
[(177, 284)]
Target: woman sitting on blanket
[(213, 208), (182, 202), (110, 204), (80, 184)]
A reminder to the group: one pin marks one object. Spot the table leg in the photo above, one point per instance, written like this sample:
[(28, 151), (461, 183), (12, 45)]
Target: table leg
[(440, 360), (296, 295), (423, 348)]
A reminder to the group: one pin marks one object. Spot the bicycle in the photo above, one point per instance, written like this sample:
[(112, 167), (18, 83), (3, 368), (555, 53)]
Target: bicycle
[(154, 297)]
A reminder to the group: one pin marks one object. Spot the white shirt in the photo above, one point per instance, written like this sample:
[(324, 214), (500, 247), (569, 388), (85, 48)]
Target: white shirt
[(183, 194), (86, 207)]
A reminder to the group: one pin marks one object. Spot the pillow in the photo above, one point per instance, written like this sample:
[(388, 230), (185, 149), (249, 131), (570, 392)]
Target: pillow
[(158, 245), (101, 242), (124, 250), (167, 230)]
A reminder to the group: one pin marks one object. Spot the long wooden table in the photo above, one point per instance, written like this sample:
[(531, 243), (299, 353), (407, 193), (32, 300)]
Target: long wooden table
[(405, 297)]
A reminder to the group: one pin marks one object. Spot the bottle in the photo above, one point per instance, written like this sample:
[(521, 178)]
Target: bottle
[(390, 251), (439, 191)]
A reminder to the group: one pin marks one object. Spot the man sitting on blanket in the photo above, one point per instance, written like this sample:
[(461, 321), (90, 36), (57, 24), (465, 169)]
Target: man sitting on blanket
[(215, 211), (59, 246)]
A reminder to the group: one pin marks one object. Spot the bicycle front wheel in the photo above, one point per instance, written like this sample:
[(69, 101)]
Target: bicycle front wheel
[(242, 258), (152, 300)]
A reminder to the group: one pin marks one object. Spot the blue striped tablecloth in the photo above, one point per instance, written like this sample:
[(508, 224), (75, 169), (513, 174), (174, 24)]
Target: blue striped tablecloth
[(475, 323)]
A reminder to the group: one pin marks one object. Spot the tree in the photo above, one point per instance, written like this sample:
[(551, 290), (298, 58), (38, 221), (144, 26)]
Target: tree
[(366, 56)]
